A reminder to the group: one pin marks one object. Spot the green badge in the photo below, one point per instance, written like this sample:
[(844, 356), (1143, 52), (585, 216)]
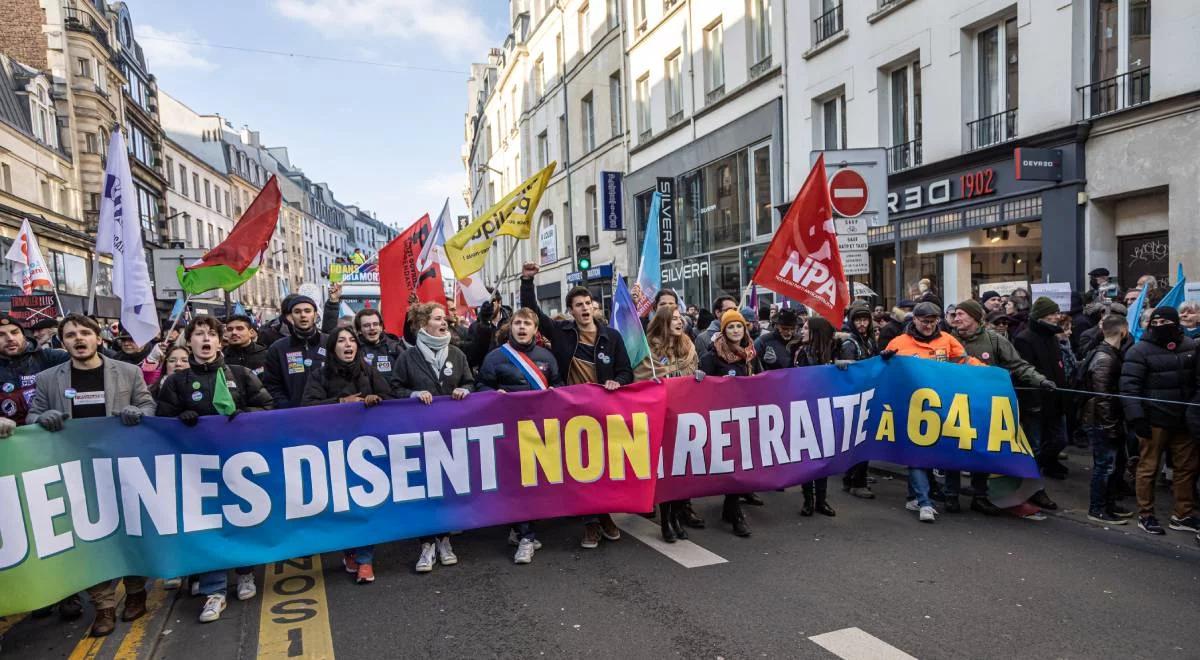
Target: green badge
[(195, 384)]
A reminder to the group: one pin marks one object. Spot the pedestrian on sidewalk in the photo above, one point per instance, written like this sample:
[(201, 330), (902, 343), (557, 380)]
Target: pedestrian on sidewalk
[(433, 368), (92, 385), (1103, 422), (732, 354), (816, 346), (857, 342), (520, 365), (346, 378), (1162, 366)]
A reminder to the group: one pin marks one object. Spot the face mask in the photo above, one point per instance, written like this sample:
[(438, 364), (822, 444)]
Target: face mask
[(1164, 334)]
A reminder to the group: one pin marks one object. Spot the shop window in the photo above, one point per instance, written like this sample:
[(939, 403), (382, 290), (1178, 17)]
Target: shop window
[(726, 270), (724, 192), (70, 273)]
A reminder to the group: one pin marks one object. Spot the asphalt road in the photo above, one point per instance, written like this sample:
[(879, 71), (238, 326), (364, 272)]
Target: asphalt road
[(967, 586)]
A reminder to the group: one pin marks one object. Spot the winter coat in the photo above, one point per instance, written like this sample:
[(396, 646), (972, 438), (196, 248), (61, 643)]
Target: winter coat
[(853, 346), (123, 386), (987, 346), (773, 352), (666, 366), (384, 355), (18, 378), (1104, 376), (272, 331), (612, 362), (1159, 372), (941, 347), (712, 365), (705, 337), (289, 363), (194, 388), (253, 356), (499, 373), (325, 387), (893, 328), (1038, 345), (413, 373)]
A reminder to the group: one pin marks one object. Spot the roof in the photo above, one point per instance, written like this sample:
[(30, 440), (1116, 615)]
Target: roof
[(14, 107)]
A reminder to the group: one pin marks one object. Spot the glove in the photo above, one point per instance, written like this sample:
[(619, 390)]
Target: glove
[(1140, 427), (699, 376), (7, 426), (131, 415), (189, 417), (1048, 385), (842, 365), (887, 354), (52, 420)]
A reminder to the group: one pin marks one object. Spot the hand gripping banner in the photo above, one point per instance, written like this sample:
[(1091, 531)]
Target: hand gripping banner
[(99, 500)]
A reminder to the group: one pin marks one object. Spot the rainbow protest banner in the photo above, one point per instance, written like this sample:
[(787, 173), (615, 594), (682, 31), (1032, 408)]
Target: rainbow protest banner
[(99, 500)]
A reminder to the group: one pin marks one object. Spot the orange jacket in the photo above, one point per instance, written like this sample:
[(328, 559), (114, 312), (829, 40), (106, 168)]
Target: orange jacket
[(943, 348)]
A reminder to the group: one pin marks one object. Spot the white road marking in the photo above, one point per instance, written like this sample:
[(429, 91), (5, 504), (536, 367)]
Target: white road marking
[(855, 644), (684, 553)]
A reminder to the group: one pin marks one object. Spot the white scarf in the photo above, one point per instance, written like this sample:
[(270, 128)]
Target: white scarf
[(433, 349)]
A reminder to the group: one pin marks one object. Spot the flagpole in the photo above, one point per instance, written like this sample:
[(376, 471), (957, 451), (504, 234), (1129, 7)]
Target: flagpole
[(187, 299), (91, 307)]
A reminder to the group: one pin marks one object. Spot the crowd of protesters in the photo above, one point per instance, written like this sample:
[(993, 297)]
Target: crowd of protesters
[(1079, 375)]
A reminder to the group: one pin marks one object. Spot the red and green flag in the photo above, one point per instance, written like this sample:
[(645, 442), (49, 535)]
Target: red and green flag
[(236, 260)]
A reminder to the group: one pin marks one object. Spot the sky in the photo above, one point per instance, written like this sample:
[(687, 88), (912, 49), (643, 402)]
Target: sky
[(385, 138)]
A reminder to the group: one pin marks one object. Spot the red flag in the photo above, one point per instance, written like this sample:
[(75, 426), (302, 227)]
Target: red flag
[(399, 276), (464, 310), (802, 262)]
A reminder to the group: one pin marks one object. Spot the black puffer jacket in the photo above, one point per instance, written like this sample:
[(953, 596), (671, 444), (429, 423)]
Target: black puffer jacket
[(193, 388), (383, 355), (289, 363), (1159, 372), (253, 356), (1038, 345), (327, 385)]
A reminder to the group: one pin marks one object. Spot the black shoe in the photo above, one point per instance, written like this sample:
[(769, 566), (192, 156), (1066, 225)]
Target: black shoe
[(1149, 524), (70, 608), (649, 515), (1042, 500), (752, 499), (1186, 524), (668, 532), (984, 505), (740, 528), (952, 504), (43, 612), (1105, 518), (824, 509), (807, 508), (690, 518), (1119, 511)]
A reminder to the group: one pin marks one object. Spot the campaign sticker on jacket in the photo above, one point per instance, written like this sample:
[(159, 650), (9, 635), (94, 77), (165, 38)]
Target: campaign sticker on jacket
[(69, 392), (308, 362), (29, 380), (321, 351), (8, 387), (732, 372), (295, 362), (603, 358), (89, 398), (9, 407), (449, 370), (196, 396), (384, 366), (370, 357)]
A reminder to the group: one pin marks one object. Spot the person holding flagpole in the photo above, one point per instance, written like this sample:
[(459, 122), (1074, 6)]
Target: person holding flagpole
[(587, 352), (520, 365)]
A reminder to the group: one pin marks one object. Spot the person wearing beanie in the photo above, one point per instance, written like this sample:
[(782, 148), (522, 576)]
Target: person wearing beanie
[(992, 349), (752, 325), (857, 342), (292, 358), (21, 360), (731, 354), (277, 328), (1043, 412), (1162, 366), (992, 301), (772, 347), (924, 339)]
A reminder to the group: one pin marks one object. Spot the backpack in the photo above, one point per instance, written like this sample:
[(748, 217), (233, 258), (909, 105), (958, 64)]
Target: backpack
[(1079, 378)]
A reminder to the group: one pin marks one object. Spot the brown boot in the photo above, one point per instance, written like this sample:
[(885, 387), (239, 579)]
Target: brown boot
[(106, 620), (135, 606)]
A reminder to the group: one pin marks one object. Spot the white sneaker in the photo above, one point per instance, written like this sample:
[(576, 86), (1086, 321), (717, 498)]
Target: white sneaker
[(445, 552), (425, 562), (172, 583), (246, 589), (928, 514), (212, 608), (515, 541), (525, 551), (912, 505)]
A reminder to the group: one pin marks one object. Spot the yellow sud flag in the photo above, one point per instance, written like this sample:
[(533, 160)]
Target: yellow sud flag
[(511, 216)]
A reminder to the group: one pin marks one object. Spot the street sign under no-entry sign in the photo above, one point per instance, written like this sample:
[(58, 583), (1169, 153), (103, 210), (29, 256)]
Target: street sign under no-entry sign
[(848, 192)]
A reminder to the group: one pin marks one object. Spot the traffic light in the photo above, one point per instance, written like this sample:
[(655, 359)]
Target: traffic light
[(583, 253)]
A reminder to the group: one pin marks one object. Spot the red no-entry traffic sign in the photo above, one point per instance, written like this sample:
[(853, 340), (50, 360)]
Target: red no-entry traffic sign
[(848, 192)]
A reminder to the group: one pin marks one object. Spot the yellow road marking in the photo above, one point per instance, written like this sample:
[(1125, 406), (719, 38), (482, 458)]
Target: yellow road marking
[(135, 637), (89, 647), (10, 621), (294, 621)]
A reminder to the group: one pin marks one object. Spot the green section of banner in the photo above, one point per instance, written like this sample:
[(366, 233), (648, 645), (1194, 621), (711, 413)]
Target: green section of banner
[(208, 278)]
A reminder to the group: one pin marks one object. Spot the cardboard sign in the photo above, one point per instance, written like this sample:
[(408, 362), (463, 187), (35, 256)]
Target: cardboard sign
[(1059, 292)]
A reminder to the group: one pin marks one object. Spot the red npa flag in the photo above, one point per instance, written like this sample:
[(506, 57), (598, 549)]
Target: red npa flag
[(399, 276), (802, 262)]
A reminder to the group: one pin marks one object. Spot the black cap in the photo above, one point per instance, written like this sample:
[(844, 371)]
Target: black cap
[(1169, 313), (8, 319), (988, 295), (44, 324), (1099, 272), (787, 317), (906, 303), (296, 300), (926, 309)]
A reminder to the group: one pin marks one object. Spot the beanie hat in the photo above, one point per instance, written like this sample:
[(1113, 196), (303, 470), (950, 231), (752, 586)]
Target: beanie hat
[(1042, 307), (926, 309), (731, 316), (988, 295), (1169, 313), (787, 317), (857, 309), (973, 309), (285, 305), (8, 319), (297, 300), (749, 313)]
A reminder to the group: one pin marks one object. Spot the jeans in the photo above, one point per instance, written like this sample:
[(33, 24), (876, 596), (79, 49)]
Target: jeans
[(217, 582), (918, 485), (1104, 476), (979, 483), (364, 555)]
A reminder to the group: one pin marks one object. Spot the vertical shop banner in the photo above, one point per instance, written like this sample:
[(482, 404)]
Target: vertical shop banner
[(668, 246), (547, 245), (399, 275), (612, 206)]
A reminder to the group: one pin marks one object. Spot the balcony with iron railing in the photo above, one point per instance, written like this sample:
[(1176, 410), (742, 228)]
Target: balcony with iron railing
[(761, 67), (993, 129), (715, 94), (1120, 92), (904, 156), (828, 24), (79, 21)]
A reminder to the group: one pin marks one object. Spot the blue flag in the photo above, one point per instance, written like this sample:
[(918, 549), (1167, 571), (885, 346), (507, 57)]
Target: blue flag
[(238, 310), (1135, 313), (180, 304), (649, 278), (1174, 297), (625, 321)]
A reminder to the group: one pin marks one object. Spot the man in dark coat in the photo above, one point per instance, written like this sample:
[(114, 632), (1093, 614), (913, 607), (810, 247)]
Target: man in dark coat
[(241, 347), (20, 362), (1103, 421), (772, 347), (379, 349), (292, 358), (1042, 412)]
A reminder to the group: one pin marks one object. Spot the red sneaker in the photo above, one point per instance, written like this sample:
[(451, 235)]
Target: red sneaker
[(349, 562), (366, 574)]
